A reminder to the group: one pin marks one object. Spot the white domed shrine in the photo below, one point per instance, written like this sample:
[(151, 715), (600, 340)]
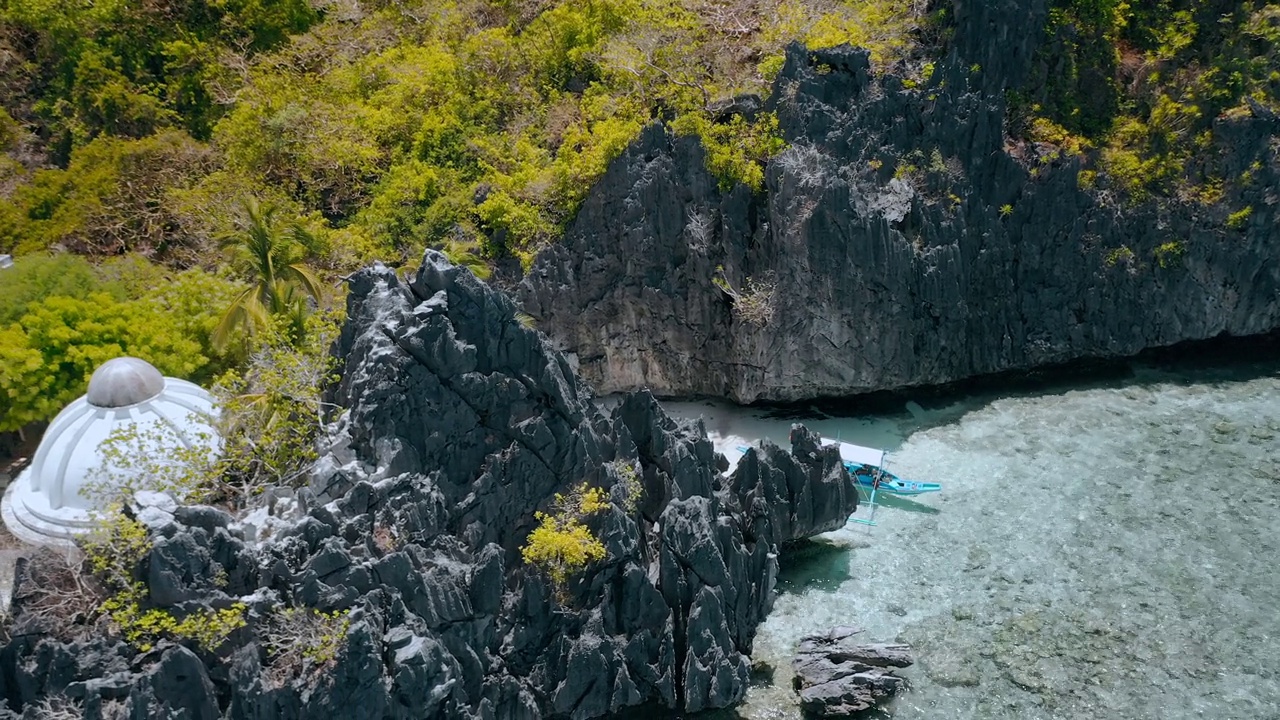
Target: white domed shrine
[(45, 505)]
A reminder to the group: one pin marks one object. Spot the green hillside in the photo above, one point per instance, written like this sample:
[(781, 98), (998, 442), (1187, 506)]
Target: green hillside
[(374, 129), (387, 126)]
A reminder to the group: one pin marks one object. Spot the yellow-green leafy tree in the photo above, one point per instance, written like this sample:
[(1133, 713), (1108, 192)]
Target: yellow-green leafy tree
[(63, 316), (562, 544)]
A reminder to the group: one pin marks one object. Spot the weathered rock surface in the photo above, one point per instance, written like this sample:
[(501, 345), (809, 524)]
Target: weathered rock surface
[(460, 423), (910, 242), (837, 677)]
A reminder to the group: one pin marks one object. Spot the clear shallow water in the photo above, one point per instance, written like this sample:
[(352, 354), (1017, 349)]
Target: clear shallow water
[(1110, 551)]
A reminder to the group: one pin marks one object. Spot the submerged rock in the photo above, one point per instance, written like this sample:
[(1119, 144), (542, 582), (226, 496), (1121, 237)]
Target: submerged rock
[(459, 423), (837, 677)]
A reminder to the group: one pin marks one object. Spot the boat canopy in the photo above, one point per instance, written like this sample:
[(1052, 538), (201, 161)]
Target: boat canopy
[(851, 453)]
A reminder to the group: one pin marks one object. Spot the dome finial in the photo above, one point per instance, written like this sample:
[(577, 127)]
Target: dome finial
[(124, 381)]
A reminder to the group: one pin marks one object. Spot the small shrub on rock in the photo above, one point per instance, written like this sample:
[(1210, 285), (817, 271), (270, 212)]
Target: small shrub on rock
[(300, 641), (632, 488), (272, 413), (562, 544), (114, 549), (1240, 219), (207, 627), (113, 552), (756, 302), (737, 150)]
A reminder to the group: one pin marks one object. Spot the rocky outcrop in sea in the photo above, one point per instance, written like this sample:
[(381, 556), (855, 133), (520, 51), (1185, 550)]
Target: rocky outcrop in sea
[(458, 423), (837, 677), (902, 239)]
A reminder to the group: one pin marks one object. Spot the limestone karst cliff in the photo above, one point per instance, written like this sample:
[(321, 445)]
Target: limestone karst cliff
[(906, 240), (459, 423)]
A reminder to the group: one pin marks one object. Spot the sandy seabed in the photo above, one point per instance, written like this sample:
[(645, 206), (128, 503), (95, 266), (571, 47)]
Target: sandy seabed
[(1108, 551)]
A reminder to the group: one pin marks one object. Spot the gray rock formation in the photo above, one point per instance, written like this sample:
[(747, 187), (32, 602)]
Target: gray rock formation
[(909, 242), (836, 677), (459, 424)]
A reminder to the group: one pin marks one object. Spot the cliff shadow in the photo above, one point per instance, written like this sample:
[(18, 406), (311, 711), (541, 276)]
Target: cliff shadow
[(913, 409), (812, 564)]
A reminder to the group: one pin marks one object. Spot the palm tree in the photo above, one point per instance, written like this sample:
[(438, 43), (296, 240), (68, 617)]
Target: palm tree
[(270, 253), (468, 255)]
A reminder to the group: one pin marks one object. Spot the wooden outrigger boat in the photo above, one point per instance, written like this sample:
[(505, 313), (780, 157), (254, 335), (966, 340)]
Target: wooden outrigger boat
[(867, 465)]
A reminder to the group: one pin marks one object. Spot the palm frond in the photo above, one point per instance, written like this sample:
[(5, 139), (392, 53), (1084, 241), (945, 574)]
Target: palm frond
[(269, 252), (246, 312), (304, 277)]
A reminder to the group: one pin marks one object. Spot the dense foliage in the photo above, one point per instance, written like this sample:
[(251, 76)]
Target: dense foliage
[(562, 544), (62, 317), (1143, 82), (263, 146), (472, 125)]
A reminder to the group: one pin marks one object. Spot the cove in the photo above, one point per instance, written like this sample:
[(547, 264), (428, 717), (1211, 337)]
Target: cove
[(1102, 548)]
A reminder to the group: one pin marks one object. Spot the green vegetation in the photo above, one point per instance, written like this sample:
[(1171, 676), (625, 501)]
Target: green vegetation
[(1120, 256), (755, 303), (1237, 220), (1144, 80), (242, 154), (1168, 254), (302, 641), (736, 150), (272, 409), (111, 67), (562, 544), (628, 478), (156, 458), (143, 628), (270, 255), (116, 195), (270, 413), (68, 316), (475, 126), (113, 553)]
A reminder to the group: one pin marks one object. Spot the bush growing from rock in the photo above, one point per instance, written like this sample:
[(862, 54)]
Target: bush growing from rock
[(562, 544), (113, 553), (302, 641), (272, 411), (632, 487)]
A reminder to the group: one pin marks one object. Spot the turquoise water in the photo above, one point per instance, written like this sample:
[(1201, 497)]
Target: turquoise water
[(1100, 551)]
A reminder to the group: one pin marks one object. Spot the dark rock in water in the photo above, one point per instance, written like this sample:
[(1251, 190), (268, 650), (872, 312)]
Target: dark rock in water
[(906, 239), (459, 423), (836, 677)]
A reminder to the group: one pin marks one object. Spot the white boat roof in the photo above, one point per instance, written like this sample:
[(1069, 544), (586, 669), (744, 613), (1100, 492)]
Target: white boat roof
[(857, 454)]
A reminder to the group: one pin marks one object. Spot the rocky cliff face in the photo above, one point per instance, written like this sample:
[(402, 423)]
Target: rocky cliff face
[(460, 424), (906, 239)]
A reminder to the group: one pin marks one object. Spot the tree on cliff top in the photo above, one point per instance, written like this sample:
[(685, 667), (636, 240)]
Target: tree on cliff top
[(270, 253)]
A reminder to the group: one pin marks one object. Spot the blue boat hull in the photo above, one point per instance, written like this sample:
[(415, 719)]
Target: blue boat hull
[(890, 483)]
